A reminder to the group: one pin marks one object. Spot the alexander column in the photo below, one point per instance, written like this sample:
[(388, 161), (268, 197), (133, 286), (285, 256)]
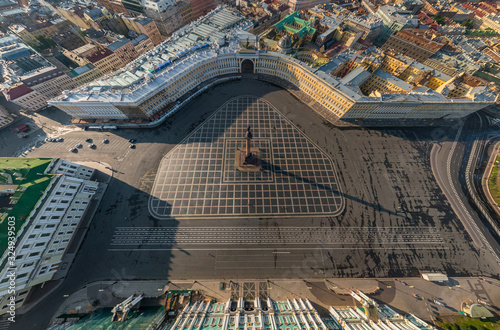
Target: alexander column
[(248, 153), (248, 160)]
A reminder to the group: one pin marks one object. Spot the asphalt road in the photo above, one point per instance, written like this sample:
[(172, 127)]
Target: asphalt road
[(450, 164), (389, 189)]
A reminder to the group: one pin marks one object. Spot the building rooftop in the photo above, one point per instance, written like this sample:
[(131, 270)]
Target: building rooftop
[(435, 73), (30, 176), (393, 80), (17, 91), (97, 56), (460, 62), (356, 77), (140, 38), (184, 48), (294, 24), (81, 70), (215, 34), (398, 15), (419, 40), (19, 62), (142, 318), (118, 44)]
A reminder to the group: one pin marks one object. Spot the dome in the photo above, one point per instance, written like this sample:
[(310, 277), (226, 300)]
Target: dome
[(285, 42)]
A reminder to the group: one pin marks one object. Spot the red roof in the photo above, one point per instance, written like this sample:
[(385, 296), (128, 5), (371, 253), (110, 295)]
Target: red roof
[(22, 128), (18, 91), (96, 57)]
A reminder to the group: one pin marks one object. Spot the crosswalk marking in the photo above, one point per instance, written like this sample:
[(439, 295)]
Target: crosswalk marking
[(152, 236)]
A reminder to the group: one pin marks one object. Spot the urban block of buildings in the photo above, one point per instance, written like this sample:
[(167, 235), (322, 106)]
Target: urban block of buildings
[(45, 199), (292, 314), (29, 80), (217, 46)]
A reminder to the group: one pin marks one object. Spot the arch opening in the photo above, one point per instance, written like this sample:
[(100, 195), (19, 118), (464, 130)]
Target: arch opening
[(247, 66)]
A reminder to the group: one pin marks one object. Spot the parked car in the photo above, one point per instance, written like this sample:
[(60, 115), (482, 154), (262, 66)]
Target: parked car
[(59, 140), (73, 150), (105, 141), (132, 140), (92, 146), (89, 140), (79, 146), (132, 146)]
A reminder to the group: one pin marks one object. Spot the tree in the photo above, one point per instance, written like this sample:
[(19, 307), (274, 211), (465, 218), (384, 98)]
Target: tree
[(469, 24), (440, 19)]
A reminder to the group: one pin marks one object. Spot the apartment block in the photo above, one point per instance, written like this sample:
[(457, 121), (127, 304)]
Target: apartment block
[(5, 117), (143, 25), (394, 20), (29, 79), (395, 64), (124, 50), (186, 11), (201, 7), (114, 6), (382, 81), (25, 97), (85, 74), (412, 45), (165, 13), (105, 61), (73, 14), (142, 44)]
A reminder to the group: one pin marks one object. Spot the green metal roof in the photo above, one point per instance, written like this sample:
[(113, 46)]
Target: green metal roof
[(143, 318), (28, 174), (292, 18)]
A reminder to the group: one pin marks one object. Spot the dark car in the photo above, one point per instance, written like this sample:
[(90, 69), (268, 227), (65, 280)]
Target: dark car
[(132, 146), (132, 140), (105, 141), (89, 140), (92, 146)]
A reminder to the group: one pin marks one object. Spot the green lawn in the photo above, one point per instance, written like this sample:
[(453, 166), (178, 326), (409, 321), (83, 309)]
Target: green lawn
[(492, 182), (35, 182), (467, 323)]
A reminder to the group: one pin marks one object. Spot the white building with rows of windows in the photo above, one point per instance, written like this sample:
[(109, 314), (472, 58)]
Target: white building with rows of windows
[(47, 230)]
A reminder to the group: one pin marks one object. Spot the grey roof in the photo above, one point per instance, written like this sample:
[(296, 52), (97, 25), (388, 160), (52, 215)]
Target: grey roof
[(119, 43), (93, 13), (140, 38), (393, 80), (356, 77)]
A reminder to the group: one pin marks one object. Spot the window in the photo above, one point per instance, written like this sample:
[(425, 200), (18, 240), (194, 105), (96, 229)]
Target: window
[(45, 235)]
